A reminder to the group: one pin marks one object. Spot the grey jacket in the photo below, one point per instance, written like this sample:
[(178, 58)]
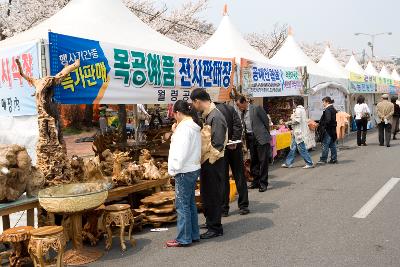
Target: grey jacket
[(260, 124), (219, 128)]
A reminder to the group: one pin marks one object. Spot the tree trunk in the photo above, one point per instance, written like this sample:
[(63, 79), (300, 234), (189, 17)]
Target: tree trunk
[(88, 117), (122, 124)]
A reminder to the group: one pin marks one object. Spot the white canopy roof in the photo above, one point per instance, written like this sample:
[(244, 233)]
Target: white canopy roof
[(385, 73), (331, 64), (106, 20), (353, 66), (227, 42), (395, 75), (370, 69), (291, 55)]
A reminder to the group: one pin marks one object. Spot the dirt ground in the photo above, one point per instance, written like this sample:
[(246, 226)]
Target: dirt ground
[(80, 149)]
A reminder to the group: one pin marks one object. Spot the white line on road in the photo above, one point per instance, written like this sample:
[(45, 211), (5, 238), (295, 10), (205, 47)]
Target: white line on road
[(378, 197)]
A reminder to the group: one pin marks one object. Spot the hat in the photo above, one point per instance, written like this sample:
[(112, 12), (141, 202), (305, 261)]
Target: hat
[(385, 96)]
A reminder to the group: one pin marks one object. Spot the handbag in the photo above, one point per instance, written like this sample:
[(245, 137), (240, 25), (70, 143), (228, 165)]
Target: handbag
[(366, 116)]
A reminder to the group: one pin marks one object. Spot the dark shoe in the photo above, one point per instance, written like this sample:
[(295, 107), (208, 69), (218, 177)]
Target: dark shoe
[(394, 138), (364, 144), (381, 145), (320, 162), (203, 226), (209, 235), (262, 188), (175, 244), (244, 211), (196, 241), (225, 214), (253, 186), (388, 145), (333, 161)]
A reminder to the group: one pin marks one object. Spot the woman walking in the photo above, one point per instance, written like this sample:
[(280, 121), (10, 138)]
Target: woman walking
[(363, 114), (184, 165), (300, 132), (396, 118)]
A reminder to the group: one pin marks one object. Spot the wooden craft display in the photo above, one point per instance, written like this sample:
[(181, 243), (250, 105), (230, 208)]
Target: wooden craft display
[(119, 215), (18, 237), (46, 239), (158, 208)]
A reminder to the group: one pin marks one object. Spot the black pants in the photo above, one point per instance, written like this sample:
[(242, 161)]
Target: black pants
[(234, 159), (361, 131), (211, 177), (385, 132), (259, 156)]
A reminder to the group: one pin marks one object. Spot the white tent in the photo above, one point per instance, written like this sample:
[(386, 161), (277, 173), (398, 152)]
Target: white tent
[(370, 69), (227, 42), (332, 65), (106, 20), (385, 73), (291, 55), (353, 66), (395, 75)]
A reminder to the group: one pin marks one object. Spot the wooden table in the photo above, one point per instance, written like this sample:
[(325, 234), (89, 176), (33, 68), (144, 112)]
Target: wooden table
[(125, 191), (22, 204), (29, 204)]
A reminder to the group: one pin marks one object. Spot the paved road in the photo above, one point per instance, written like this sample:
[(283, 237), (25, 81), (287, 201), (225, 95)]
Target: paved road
[(304, 220)]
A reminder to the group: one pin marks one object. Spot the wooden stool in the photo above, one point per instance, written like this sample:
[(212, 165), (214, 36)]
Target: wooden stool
[(119, 215), (42, 241), (91, 230), (19, 238)]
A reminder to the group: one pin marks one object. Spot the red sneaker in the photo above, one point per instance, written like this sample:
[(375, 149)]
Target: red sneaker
[(175, 244)]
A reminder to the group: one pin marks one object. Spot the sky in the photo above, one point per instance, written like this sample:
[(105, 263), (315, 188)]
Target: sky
[(333, 21)]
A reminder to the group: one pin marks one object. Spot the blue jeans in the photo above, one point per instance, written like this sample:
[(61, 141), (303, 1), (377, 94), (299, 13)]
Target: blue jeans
[(301, 147), (188, 225), (328, 143)]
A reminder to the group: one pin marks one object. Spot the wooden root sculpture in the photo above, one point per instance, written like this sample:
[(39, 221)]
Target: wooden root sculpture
[(17, 175), (51, 150)]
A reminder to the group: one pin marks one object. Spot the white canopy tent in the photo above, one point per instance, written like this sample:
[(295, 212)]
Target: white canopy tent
[(332, 65), (106, 20), (385, 73), (227, 42), (395, 75), (370, 69), (353, 66)]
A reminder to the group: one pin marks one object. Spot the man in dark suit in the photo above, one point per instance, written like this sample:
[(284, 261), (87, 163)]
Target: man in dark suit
[(256, 127), (234, 160)]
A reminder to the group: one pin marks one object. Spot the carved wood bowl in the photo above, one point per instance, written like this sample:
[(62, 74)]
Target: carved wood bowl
[(72, 198)]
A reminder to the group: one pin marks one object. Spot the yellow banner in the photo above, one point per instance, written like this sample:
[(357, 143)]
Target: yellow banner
[(354, 77)]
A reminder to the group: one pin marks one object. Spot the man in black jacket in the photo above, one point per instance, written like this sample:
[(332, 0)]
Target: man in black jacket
[(234, 160), (256, 127), (213, 168), (327, 129)]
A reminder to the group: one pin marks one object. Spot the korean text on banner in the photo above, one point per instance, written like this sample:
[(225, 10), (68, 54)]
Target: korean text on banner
[(385, 85), (362, 83), (112, 74), (263, 80), (16, 95)]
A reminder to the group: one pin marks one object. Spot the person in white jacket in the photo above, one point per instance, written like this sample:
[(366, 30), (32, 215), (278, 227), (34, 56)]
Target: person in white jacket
[(300, 131), (184, 164)]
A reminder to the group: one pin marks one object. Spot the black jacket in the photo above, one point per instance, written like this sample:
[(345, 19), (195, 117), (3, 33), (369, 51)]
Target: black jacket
[(233, 121), (328, 122), (396, 111)]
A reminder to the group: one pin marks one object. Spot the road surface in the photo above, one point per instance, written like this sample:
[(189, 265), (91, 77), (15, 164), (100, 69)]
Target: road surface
[(305, 219)]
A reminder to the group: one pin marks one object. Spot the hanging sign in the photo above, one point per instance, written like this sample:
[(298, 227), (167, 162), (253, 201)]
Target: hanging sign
[(362, 83), (263, 80), (16, 95), (114, 74)]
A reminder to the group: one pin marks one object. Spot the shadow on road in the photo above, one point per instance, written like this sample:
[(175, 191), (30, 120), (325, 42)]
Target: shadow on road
[(140, 244), (247, 225)]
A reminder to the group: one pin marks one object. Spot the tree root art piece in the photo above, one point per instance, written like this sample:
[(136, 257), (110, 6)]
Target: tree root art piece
[(51, 150), (17, 175)]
